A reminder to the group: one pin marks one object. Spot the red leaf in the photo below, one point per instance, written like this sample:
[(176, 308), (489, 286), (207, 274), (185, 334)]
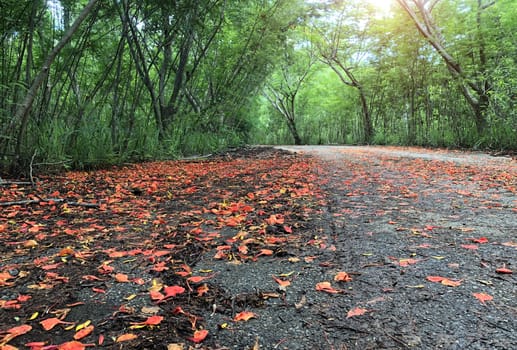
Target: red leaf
[(480, 240), (199, 336), (197, 279), (202, 290), (327, 287), (121, 277), (19, 330), (469, 246), (155, 295), (434, 278), (151, 321), (50, 323), (265, 252), (126, 337), (483, 297), (73, 345), (342, 277), (83, 332), (357, 311), (283, 284), (504, 270), (244, 316)]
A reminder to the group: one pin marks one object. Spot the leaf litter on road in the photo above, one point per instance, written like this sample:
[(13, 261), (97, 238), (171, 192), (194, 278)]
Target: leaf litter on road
[(135, 238)]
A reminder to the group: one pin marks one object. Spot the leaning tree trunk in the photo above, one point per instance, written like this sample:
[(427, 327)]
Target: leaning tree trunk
[(23, 111), (474, 92)]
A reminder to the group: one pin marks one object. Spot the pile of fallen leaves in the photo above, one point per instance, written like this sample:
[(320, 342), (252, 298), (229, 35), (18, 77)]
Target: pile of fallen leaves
[(92, 259)]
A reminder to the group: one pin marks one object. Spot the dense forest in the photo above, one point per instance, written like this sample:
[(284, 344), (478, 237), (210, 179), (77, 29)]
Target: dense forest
[(86, 83)]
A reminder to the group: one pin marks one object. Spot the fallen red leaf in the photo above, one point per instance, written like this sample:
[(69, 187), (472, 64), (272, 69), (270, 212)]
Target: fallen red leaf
[(126, 337), (50, 323), (150, 321), (73, 345), (483, 297), (199, 336), (357, 311), (172, 291), (342, 277), (201, 290), (434, 278), (197, 279), (121, 277), (504, 270), (327, 287), (244, 316), (83, 332), (443, 280), (480, 240), (283, 284)]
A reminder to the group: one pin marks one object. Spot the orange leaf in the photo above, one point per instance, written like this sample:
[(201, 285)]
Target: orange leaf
[(357, 311), (155, 295), (50, 323), (326, 287), (407, 262), (197, 279), (83, 332), (265, 252), (172, 291), (73, 345), (19, 330), (434, 278), (244, 316), (153, 320), (126, 337), (504, 270), (121, 277), (342, 277), (275, 219), (450, 283), (202, 290), (444, 281), (482, 297), (199, 336), (281, 282)]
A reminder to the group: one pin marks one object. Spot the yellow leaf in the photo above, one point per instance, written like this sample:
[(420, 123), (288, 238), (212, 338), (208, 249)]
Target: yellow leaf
[(137, 326), (286, 274), (83, 325), (176, 347), (130, 297), (33, 316), (156, 285)]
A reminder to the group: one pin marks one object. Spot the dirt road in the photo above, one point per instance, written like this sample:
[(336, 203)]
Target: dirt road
[(430, 235)]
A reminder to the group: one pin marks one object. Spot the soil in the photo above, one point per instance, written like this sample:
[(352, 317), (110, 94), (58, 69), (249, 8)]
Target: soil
[(427, 238)]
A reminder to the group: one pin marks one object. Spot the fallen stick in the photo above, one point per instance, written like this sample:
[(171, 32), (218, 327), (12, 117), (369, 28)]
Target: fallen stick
[(55, 200)]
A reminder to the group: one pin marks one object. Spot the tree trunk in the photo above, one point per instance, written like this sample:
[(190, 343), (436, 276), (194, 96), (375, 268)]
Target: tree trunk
[(474, 92), (23, 112)]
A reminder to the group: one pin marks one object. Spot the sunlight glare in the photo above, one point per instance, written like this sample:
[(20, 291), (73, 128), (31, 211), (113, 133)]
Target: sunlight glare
[(383, 6)]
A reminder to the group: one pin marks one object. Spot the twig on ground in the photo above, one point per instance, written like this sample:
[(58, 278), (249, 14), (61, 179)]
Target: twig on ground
[(48, 200)]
